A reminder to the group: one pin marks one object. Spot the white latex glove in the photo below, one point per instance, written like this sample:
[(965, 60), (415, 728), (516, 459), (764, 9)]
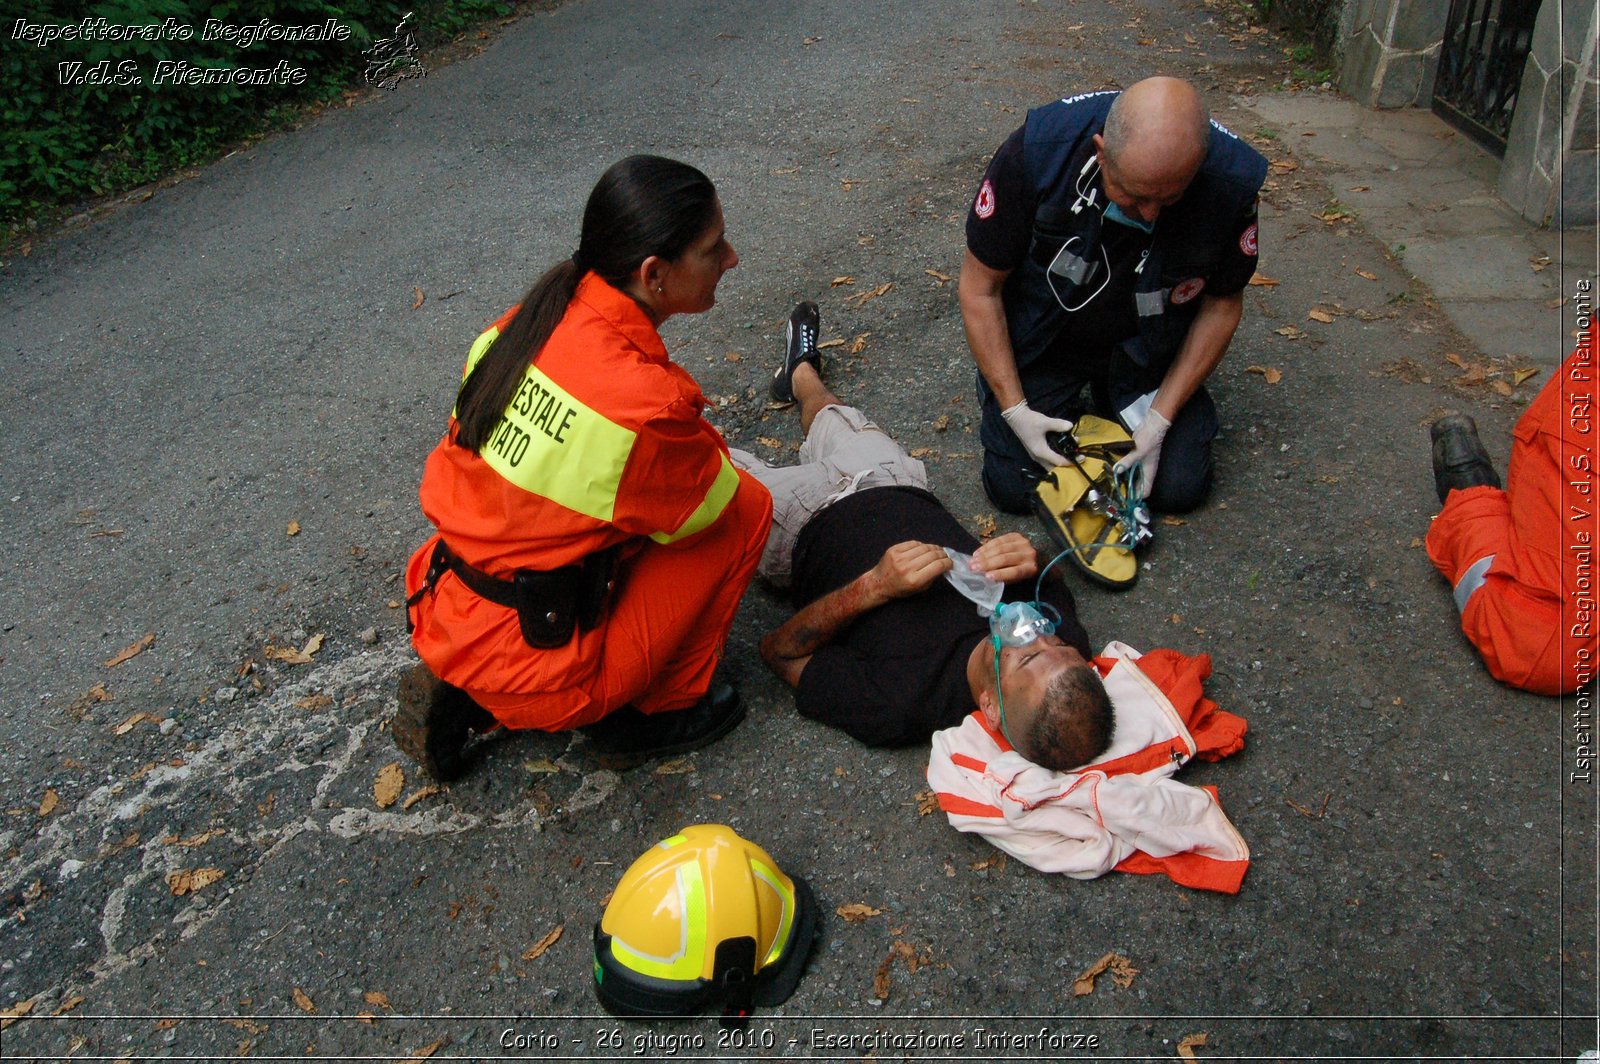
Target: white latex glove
[(1146, 453), (1030, 427)]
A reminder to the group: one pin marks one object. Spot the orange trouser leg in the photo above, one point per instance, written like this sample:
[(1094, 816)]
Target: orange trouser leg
[(1515, 628), (664, 631)]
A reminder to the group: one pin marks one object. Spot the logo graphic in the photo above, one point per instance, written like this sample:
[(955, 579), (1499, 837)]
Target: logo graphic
[(1247, 240), (985, 205), (392, 60), (1187, 290)]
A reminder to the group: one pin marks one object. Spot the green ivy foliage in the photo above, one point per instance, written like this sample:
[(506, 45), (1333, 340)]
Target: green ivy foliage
[(63, 142)]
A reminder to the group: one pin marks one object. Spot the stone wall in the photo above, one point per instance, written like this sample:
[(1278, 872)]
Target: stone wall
[(1390, 54), (1391, 50), (1549, 171)]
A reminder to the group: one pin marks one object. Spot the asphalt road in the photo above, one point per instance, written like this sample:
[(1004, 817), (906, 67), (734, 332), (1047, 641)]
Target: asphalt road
[(217, 404)]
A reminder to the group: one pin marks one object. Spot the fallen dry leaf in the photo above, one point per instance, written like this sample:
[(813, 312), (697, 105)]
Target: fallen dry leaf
[(138, 718), (11, 1015), (830, 343), (418, 795), (287, 655), (1455, 359), (843, 280), (48, 803), (1416, 541), (537, 950), (881, 982), (1121, 969), (733, 356), (985, 525), (193, 841), (186, 881), (541, 767), (1261, 280), (1168, 519), (416, 297), (316, 701), (1474, 375), (927, 802), (857, 912), (1176, 618), (302, 1001), (676, 767), (425, 1052), (941, 422), (1189, 1043), (943, 278), (1272, 375), (314, 644), (1290, 331), (386, 788), (1284, 166), (872, 293), (1520, 375), (922, 452), (1538, 263), (859, 344), (1360, 188), (68, 1005), (1367, 274), (294, 528), (247, 1026), (1320, 315), (131, 651), (1502, 387)]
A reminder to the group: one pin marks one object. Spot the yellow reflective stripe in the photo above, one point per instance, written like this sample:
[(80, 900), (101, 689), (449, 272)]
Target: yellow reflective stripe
[(785, 918), (710, 508), (671, 841), (689, 960)]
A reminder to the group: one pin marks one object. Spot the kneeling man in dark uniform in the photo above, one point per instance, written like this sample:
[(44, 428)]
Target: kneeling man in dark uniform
[(1107, 251)]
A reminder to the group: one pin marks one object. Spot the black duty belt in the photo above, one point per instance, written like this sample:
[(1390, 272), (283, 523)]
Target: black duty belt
[(549, 604)]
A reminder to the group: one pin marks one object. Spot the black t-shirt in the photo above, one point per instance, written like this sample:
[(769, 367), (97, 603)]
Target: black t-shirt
[(899, 673)]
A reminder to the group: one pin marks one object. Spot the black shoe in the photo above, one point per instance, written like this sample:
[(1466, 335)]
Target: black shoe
[(626, 737), (434, 722), (800, 345), (1459, 460)]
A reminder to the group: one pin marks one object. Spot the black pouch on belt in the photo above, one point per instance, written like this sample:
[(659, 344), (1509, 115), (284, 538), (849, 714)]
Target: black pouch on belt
[(550, 604), (547, 605)]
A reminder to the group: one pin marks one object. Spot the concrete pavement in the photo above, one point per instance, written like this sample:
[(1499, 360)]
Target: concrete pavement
[(1427, 192)]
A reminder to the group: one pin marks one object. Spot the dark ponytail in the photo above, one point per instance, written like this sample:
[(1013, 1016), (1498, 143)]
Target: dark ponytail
[(644, 205)]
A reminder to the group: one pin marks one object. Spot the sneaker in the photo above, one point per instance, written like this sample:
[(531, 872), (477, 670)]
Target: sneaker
[(434, 722), (1459, 460), (800, 345), (626, 738)]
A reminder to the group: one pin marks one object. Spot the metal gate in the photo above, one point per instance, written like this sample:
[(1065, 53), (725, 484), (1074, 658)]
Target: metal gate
[(1485, 45)]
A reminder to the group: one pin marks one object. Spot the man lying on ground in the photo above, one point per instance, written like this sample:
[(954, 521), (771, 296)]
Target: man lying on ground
[(881, 645)]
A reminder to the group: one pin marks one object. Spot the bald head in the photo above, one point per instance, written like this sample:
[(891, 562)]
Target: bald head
[(1155, 140)]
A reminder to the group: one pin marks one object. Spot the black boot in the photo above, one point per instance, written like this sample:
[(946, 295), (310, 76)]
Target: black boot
[(1459, 460), (625, 737), (434, 722)]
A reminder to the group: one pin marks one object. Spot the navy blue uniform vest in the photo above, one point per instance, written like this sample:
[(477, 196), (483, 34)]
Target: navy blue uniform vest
[(1189, 242)]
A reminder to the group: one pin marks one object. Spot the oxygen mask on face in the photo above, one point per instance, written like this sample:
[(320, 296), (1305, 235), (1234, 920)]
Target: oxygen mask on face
[(1016, 624)]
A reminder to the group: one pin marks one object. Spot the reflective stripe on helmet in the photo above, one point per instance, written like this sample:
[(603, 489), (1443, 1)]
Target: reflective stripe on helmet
[(786, 918), (689, 959)]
